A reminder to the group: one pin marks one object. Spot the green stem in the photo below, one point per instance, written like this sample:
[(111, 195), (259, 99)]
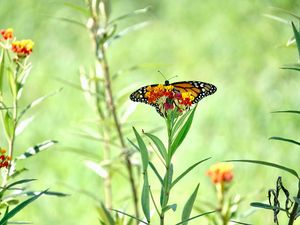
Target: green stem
[(295, 208)]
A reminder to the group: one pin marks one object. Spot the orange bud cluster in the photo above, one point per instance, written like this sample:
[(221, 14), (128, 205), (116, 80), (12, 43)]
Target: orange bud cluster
[(220, 173), (7, 33), (22, 48), (4, 159)]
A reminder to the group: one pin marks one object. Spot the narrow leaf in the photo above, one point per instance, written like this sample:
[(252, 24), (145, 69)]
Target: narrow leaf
[(285, 139), (78, 8), (291, 171), (159, 144), (143, 150), (195, 217), (287, 111), (125, 31), (189, 206), (134, 13), (36, 102), (237, 222), (9, 124), (105, 215), (265, 206), (182, 132), (18, 208), (146, 198), (19, 182), (187, 171), (297, 38), (126, 214), (2, 69), (37, 148), (173, 207)]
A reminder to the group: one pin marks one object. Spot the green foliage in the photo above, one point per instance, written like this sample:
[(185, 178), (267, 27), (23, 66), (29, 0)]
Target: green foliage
[(189, 206)]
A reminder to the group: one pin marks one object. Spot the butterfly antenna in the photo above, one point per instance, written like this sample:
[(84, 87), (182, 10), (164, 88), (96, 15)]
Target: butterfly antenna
[(173, 77), (162, 74)]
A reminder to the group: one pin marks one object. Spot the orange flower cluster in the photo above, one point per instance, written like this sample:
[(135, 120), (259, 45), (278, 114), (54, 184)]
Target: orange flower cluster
[(4, 159), (22, 48), (220, 173), (168, 98), (7, 34)]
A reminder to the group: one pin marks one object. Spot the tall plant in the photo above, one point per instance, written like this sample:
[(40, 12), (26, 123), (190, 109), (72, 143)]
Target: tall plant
[(98, 87), (14, 70)]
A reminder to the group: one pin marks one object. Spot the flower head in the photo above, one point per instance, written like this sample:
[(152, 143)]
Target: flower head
[(220, 173), (22, 48), (7, 33), (168, 98), (4, 159)]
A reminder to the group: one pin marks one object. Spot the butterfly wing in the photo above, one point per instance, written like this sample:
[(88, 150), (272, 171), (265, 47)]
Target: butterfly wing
[(197, 89), (139, 96)]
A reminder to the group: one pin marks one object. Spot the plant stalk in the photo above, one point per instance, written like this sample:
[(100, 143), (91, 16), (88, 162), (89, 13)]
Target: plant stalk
[(111, 106), (295, 208)]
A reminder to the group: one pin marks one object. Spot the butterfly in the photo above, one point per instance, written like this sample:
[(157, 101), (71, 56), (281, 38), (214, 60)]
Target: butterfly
[(196, 89)]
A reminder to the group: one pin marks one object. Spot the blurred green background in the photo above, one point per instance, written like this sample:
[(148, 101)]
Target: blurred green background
[(228, 43)]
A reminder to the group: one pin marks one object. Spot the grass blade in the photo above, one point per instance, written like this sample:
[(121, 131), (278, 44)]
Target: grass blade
[(187, 171), (18, 208), (285, 140), (134, 13), (189, 206), (265, 206), (19, 182), (289, 170), (105, 215)]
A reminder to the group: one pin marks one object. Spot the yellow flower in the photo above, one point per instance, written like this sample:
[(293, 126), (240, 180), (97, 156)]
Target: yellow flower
[(22, 48)]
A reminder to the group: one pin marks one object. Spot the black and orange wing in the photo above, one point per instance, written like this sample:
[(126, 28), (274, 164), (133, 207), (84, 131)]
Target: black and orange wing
[(197, 89)]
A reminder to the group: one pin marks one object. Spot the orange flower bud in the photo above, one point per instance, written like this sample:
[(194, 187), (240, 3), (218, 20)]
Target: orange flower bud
[(7, 34), (220, 173), (22, 48)]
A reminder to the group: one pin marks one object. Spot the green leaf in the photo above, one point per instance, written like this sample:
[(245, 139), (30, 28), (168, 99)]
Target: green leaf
[(291, 67), (20, 222), (36, 102), (12, 83), (285, 139), (187, 171), (265, 206), (75, 22), (287, 111), (105, 215), (37, 148), (182, 132), (143, 150), (189, 206), (9, 124), (180, 121), (19, 182), (126, 214), (159, 144), (145, 198), (2, 69), (125, 32), (156, 172), (18, 208), (133, 144), (297, 38), (134, 13), (289, 170), (237, 222), (195, 217)]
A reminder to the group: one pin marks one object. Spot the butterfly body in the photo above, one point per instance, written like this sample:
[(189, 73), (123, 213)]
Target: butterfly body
[(194, 91)]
